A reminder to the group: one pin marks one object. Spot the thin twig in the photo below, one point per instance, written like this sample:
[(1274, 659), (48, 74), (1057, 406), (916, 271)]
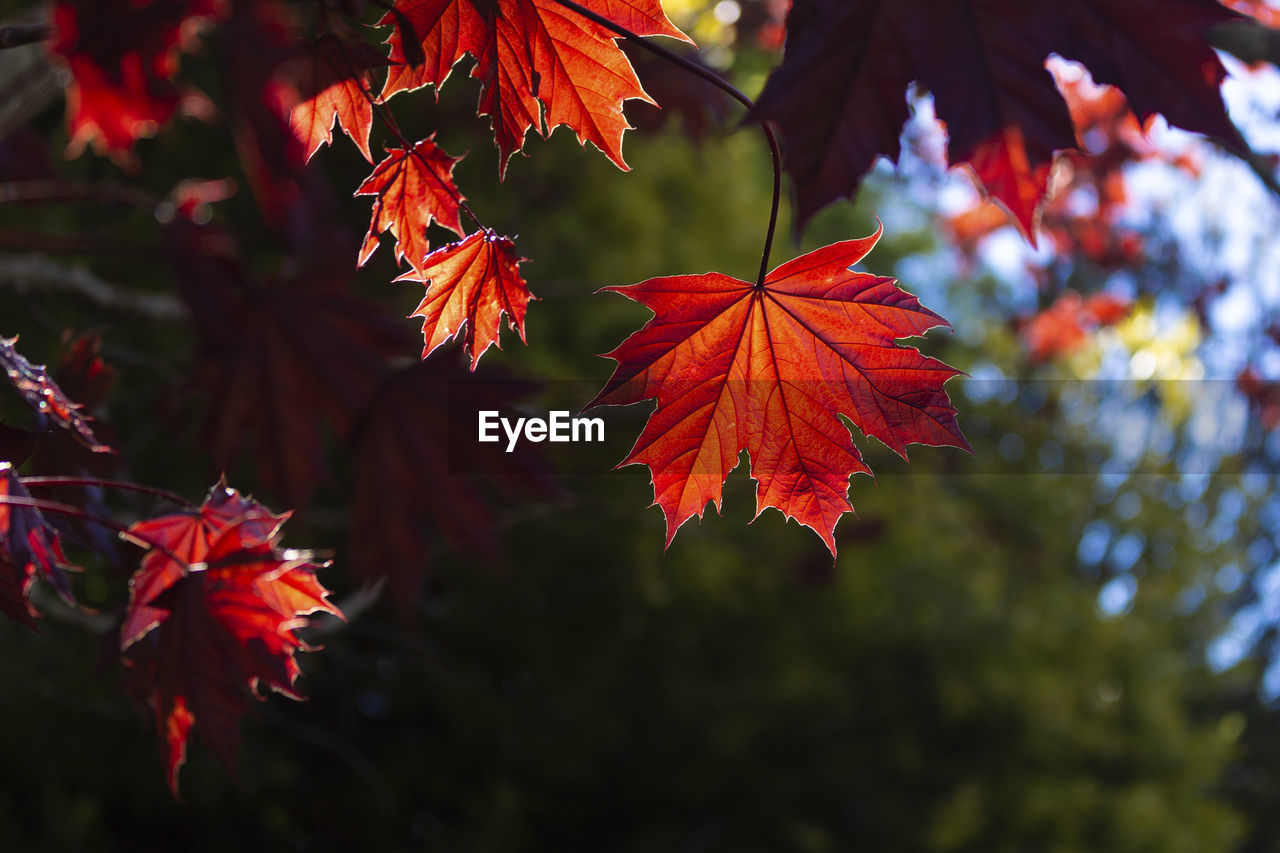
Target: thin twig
[(88, 482), (92, 244), (84, 515), (61, 190), (26, 273)]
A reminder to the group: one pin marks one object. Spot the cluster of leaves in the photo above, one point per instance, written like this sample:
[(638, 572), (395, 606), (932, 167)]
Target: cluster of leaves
[(769, 366)]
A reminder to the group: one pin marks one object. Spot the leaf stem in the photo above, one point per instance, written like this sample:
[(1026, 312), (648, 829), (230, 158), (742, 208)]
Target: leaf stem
[(714, 80), (109, 484), (84, 515), (54, 190)]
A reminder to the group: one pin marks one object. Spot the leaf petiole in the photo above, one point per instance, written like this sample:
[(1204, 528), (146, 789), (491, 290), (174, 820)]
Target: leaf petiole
[(693, 68), (123, 486)]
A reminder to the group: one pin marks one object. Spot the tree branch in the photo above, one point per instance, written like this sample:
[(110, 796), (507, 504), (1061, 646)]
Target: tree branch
[(20, 34)]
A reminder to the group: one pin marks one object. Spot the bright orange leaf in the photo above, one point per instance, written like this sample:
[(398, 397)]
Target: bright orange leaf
[(473, 282), (412, 189), (336, 85), (531, 56), (768, 370)]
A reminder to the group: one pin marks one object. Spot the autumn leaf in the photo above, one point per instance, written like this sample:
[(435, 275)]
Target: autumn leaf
[(188, 536), (471, 283), (335, 84), (531, 56), (281, 358), (1065, 326), (768, 370), (206, 634), (839, 94), (413, 189), (28, 545), (416, 486), (45, 397), (122, 58)]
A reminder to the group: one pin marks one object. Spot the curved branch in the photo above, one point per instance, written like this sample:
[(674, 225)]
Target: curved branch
[(715, 80)]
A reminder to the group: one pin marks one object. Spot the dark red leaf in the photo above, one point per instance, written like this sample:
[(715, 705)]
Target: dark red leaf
[(839, 95), (262, 47), (280, 359), (206, 636), (414, 484), (45, 397), (28, 545)]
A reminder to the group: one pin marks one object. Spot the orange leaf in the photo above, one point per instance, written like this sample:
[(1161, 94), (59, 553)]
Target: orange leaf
[(413, 189), (336, 84), (472, 282), (530, 55), (767, 369)]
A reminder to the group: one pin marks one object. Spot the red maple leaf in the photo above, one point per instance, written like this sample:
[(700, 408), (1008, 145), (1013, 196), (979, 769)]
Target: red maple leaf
[(473, 282), (768, 370), (122, 58), (45, 397), (206, 634), (28, 544), (839, 94), (531, 56), (413, 189), (417, 482), (335, 85), (187, 535), (281, 358)]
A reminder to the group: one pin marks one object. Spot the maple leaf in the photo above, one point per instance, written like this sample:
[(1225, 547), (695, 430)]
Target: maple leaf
[(45, 397), (280, 358), (838, 95), (187, 535), (413, 188), (28, 544), (471, 283), (767, 370), (531, 56), (416, 482), (122, 58), (206, 634), (335, 85)]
